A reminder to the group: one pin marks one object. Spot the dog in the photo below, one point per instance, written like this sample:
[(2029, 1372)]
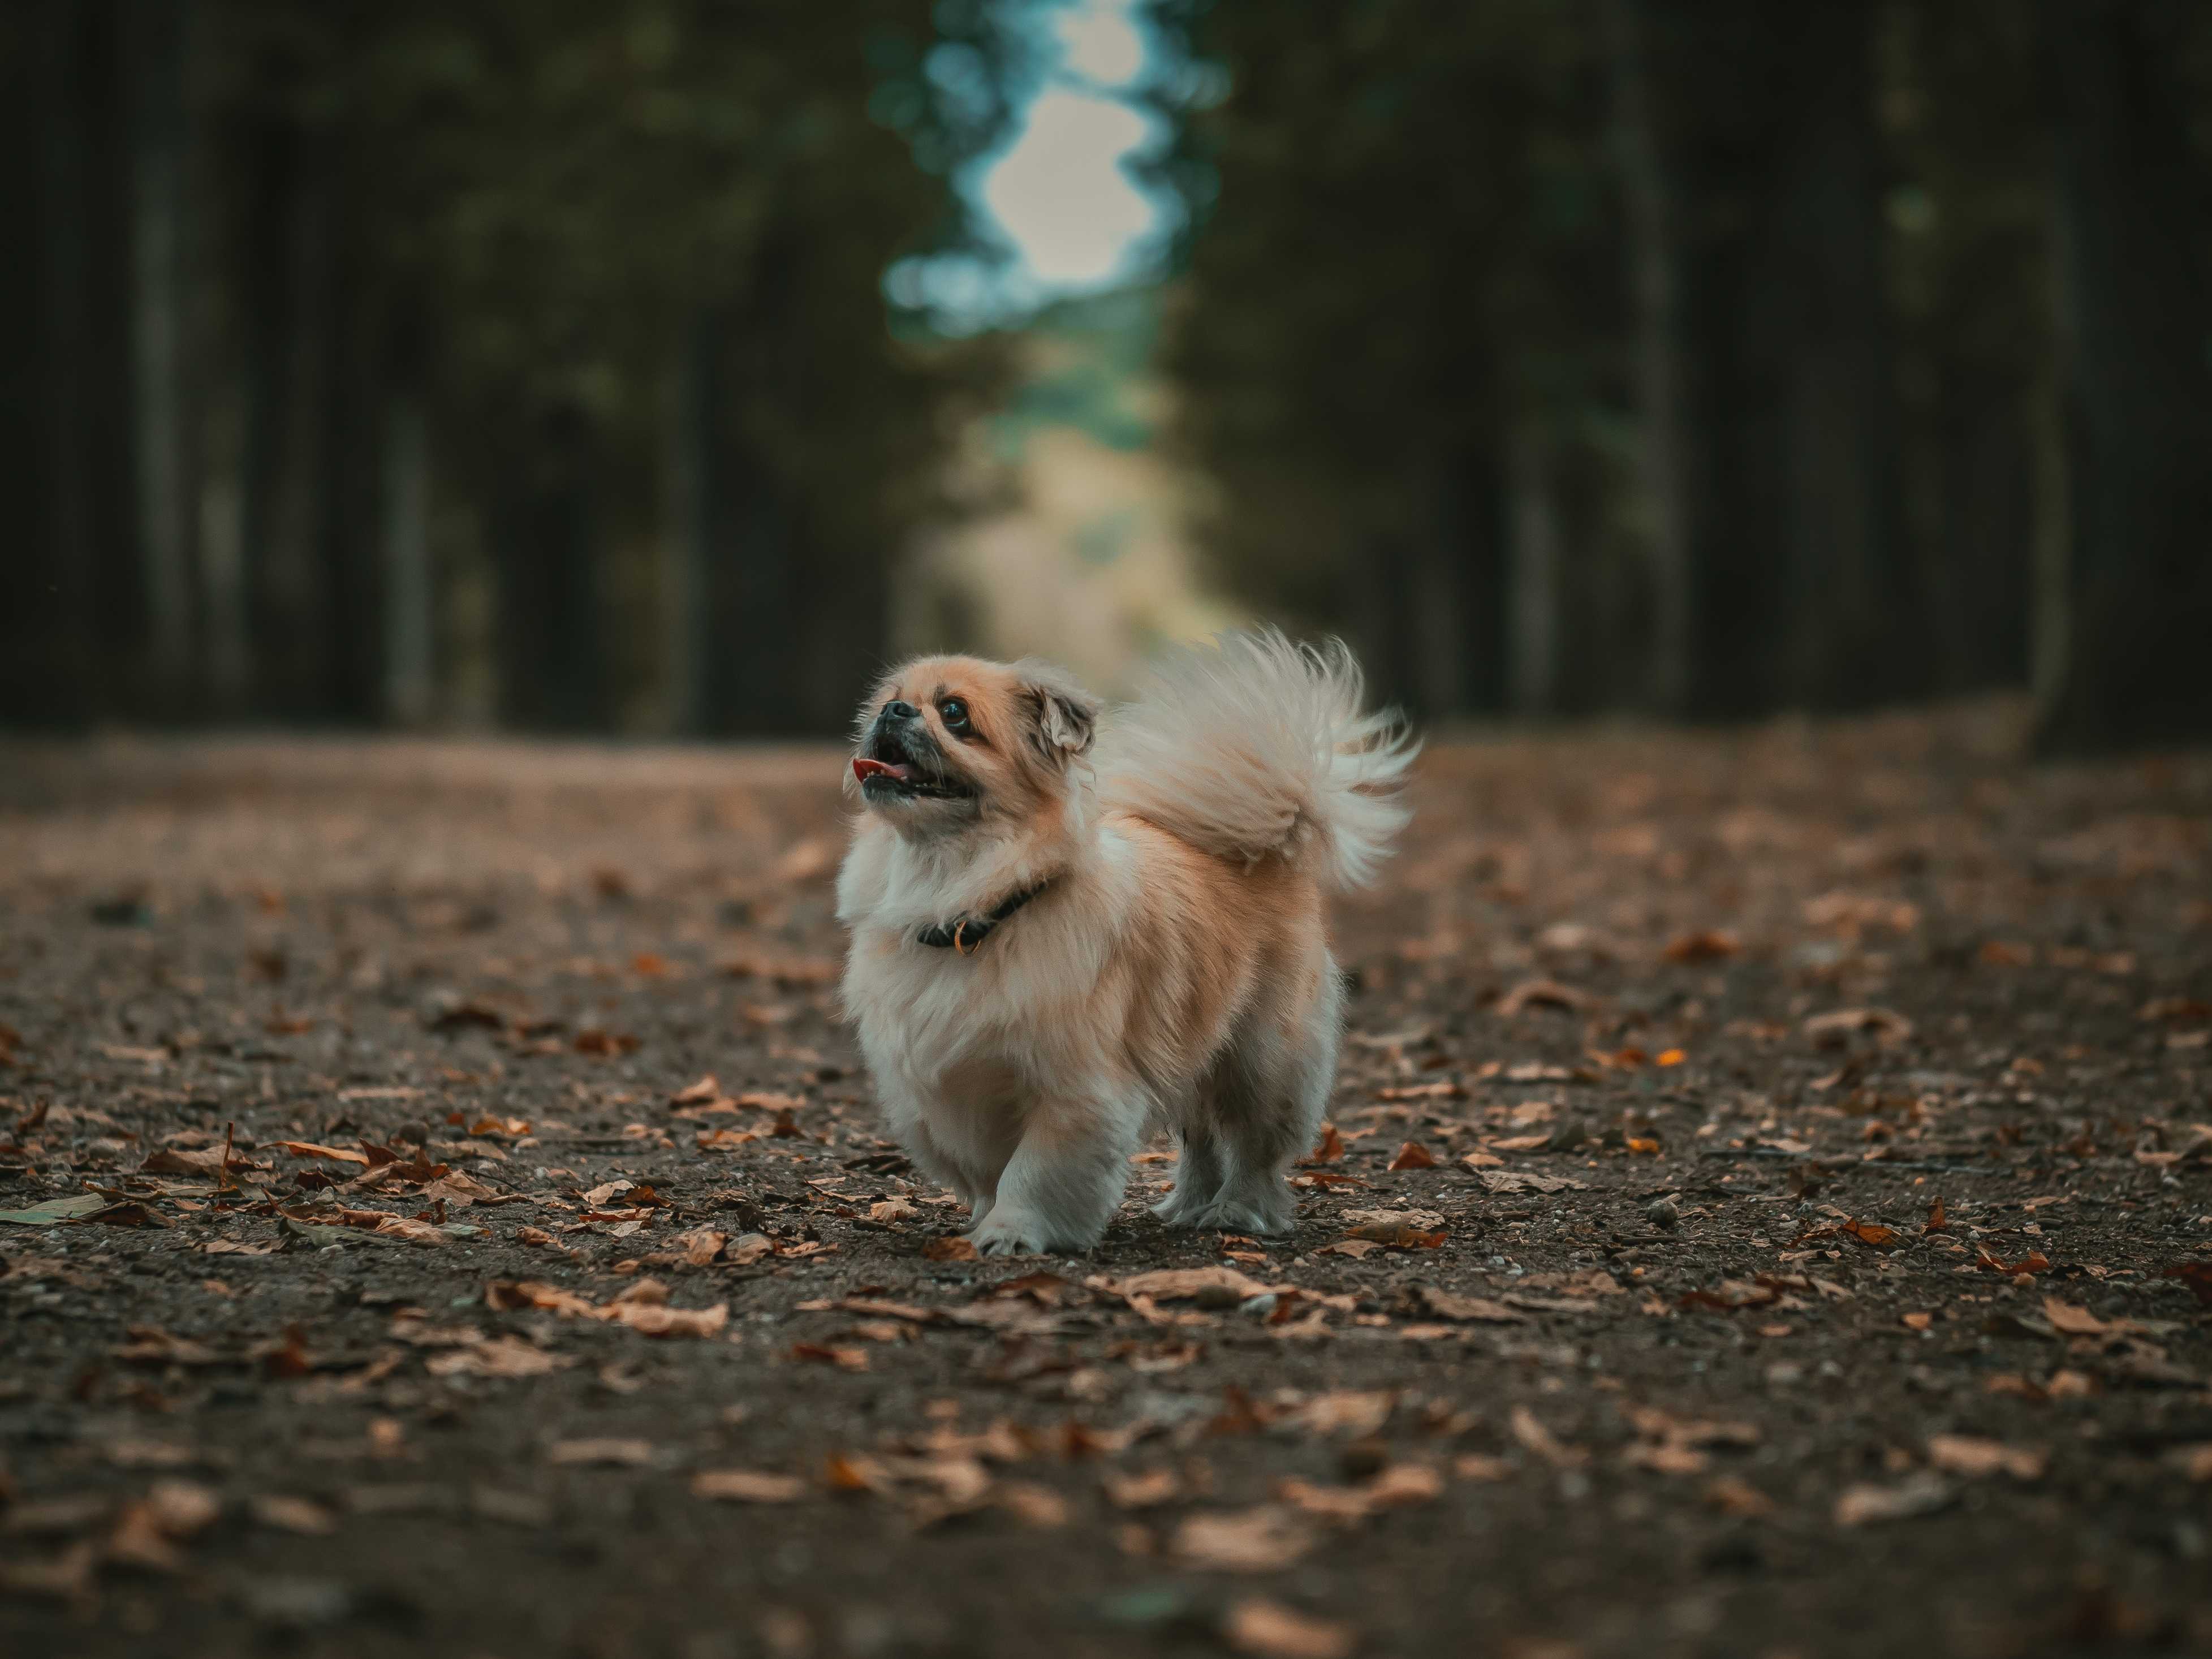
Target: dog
[(1071, 929)]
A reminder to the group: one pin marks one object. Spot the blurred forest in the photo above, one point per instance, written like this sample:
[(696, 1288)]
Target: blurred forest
[(1709, 357), (529, 361), (513, 360)]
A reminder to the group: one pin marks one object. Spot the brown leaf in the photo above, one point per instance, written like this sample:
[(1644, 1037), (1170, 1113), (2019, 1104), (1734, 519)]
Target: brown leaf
[(1414, 1156), (2068, 1320), (68, 1577), (1965, 1454), (631, 1454), (1733, 1294), (1916, 1495), (1208, 1287), (172, 1511), (952, 1247), (314, 1149), (1707, 945), (1937, 1220), (1145, 1490), (1329, 1150), (1732, 1496), (701, 1245), (410, 1232), (284, 1514), (1464, 1310), (747, 1486), (1268, 1630), (1522, 1180), (1535, 1437), (1831, 1031), (1543, 994), (1344, 1413), (1265, 1538), (653, 1319), (1032, 1504), (1869, 1232), (845, 1358), (1356, 1249), (502, 1356)]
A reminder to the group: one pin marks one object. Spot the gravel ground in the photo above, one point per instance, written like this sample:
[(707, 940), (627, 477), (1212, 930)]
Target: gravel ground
[(1768, 1211)]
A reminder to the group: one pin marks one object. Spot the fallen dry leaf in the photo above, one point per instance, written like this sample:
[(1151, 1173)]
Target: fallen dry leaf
[(298, 1515), (1445, 1304), (629, 1453), (1414, 1156), (1534, 1436), (1261, 1539), (1732, 1496), (1215, 1286), (701, 1245), (1543, 994), (747, 1486), (2069, 1320), (1916, 1495), (312, 1149), (1523, 1181), (1960, 1454), (1268, 1630), (1144, 1490), (1329, 1150)]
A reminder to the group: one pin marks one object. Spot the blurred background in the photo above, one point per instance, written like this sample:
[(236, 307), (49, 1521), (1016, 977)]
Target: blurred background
[(664, 367)]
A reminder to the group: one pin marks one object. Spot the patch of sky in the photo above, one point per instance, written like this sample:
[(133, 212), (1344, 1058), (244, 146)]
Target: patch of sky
[(1064, 203)]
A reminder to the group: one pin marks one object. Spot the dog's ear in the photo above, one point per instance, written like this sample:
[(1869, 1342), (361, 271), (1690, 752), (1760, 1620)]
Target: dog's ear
[(1062, 718)]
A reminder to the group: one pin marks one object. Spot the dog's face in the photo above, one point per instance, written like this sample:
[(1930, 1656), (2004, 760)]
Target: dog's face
[(948, 742)]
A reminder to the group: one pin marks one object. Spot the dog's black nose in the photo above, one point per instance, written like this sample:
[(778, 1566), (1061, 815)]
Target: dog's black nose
[(896, 710)]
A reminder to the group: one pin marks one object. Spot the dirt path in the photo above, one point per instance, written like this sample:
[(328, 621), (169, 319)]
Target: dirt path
[(1762, 1169)]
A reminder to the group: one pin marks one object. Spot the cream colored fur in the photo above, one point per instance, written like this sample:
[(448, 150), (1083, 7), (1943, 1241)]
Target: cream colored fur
[(1173, 973)]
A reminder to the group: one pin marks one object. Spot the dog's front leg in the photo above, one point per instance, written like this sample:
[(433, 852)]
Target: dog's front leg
[(1065, 1180)]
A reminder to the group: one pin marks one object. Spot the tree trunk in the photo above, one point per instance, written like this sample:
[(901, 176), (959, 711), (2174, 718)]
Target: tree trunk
[(2138, 386), (1655, 282), (410, 594), (1794, 560), (741, 569), (156, 45), (699, 537), (286, 292), (1535, 587), (545, 537), (1857, 624), (46, 677)]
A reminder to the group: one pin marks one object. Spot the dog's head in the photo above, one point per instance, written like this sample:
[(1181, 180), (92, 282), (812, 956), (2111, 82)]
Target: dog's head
[(948, 742)]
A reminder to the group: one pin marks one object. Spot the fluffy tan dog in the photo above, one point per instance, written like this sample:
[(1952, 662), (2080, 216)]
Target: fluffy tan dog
[(1071, 929)]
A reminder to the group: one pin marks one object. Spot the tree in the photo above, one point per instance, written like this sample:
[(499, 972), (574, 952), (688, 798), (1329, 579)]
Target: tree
[(2135, 266)]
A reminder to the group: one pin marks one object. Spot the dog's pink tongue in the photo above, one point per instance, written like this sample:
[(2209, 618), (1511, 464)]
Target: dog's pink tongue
[(864, 768)]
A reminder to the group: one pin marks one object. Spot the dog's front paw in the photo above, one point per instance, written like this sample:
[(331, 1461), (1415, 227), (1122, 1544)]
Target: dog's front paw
[(1007, 1230)]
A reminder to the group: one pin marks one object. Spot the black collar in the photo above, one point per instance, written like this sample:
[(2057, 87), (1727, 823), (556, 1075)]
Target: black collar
[(964, 933)]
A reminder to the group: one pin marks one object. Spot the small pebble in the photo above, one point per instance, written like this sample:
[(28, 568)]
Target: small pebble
[(1661, 1212)]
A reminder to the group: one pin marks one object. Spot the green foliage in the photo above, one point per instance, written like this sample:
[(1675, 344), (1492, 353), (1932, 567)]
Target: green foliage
[(1398, 245)]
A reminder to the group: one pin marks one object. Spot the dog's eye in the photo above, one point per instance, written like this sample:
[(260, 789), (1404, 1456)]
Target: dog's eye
[(954, 714)]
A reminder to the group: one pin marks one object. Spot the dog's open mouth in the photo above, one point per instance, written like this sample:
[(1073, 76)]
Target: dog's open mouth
[(903, 779)]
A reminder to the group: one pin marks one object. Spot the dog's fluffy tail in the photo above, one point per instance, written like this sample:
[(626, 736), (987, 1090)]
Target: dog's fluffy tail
[(1252, 746)]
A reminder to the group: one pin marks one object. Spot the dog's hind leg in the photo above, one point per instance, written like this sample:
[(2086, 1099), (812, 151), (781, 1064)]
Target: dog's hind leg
[(1198, 1175), (1269, 1110)]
